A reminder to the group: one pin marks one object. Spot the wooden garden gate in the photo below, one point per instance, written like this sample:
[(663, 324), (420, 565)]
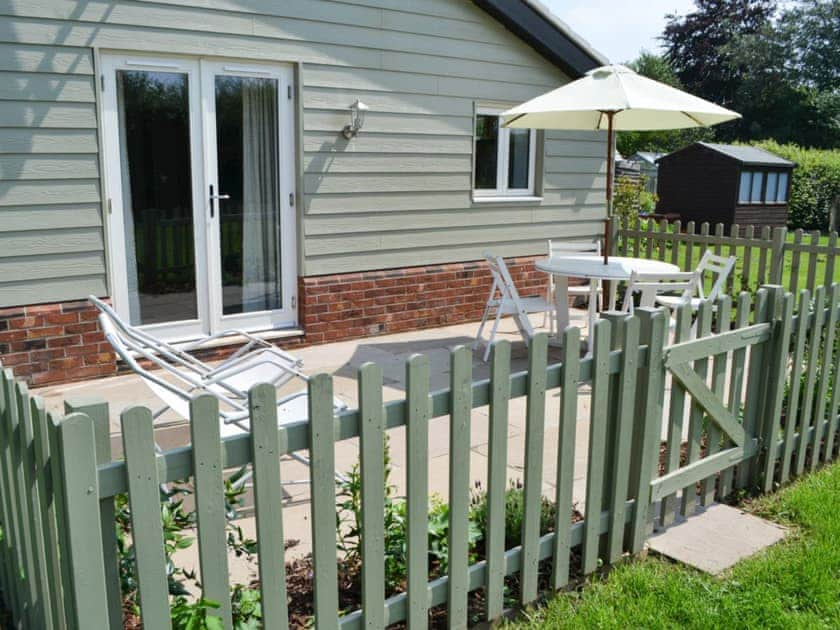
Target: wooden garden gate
[(733, 410)]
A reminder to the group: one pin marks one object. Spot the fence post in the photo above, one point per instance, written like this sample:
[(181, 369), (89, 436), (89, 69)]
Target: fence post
[(97, 410), (76, 441), (781, 315), (647, 429), (777, 255)]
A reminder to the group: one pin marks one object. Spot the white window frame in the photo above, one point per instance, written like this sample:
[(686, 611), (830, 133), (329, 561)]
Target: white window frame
[(502, 161)]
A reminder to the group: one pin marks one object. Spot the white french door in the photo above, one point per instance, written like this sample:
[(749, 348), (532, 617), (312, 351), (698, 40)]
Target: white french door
[(199, 160)]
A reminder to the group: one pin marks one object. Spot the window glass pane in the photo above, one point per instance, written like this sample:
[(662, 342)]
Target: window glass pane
[(246, 133), (154, 116), (744, 190), (772, 179), (519, 158), (486, 151), (757, 178), (781, 194)]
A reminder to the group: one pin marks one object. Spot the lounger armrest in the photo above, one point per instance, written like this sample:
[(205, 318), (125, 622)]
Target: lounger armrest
[(221, 335)]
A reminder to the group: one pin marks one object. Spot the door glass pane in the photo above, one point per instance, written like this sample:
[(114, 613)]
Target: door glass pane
[(770, 194), (519, 158), (744, 190), (486, 151), (157, 195), (249, 221)]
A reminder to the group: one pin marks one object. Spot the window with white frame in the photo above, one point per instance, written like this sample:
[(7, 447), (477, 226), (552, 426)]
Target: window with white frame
[(763, 187), (504, 158)]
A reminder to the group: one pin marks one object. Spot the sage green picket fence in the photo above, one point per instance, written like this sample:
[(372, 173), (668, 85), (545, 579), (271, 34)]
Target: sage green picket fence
[(796, 260), (756, 393)]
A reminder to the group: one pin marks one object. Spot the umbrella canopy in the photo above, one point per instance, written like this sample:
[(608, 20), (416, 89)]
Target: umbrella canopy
[(638, 104)]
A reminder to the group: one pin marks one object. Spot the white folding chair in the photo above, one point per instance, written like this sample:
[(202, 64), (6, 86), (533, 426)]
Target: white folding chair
[(504, 300), (677, 286), (591, 291), (180, 379), (719, 267)]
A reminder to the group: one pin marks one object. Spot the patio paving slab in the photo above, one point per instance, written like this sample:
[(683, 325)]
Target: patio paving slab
[(716, 538)]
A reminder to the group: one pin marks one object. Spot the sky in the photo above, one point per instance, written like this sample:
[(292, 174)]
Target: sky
[(618, 28)]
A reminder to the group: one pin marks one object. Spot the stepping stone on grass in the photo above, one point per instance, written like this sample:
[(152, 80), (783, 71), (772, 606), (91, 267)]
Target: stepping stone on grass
[(716, 538)]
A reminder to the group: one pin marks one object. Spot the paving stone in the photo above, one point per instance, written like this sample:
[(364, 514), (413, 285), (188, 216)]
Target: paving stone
[(717, 538)]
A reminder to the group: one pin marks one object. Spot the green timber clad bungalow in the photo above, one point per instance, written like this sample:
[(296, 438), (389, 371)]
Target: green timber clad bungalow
[(200, 164)]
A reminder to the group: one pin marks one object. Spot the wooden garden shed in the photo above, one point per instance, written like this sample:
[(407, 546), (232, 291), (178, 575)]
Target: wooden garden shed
[(724, 183)]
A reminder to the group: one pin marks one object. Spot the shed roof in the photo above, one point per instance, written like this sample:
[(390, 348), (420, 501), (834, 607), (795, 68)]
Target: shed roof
[(752, 156), (646, 156), (535, 24)]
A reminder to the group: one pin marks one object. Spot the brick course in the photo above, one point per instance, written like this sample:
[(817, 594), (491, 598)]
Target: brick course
[(56, 343)]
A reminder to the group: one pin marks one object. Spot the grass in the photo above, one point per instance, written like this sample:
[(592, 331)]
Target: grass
[(752, 282), (795, 584)]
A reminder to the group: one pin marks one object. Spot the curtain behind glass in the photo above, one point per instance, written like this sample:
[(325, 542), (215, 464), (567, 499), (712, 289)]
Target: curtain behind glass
[(261, 270)]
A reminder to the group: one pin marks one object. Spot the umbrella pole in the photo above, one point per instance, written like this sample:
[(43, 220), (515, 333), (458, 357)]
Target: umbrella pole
[(605, 289)]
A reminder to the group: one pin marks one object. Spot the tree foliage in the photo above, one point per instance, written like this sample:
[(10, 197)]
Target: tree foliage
[(779, 68)]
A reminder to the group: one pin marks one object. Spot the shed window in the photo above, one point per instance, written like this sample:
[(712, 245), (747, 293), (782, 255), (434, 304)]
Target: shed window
[(752, 187), (504, 158), (782, 188)]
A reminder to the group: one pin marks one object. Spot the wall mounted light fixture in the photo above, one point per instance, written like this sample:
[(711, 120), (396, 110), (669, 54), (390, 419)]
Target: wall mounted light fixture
[(357, 119)]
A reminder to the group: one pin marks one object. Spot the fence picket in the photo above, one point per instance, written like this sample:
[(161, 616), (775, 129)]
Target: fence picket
[(31, 577), (690, 229), (566, 456), (62, 516), (497, 476), (814, 339), (781, 312), (371, 461), (597, 444), (98, 412), (800, 335), (459, 485), (534, 440), (719, 364), (833, 407), (814, 243), (417, 484), (648, 422), (663, 230), (795, 261), (777, 260), (12, 525), (746, 274), (675, 250), (676, 415), (322, 491), (146, 526), (83, 538), (829, 279), (205, 434), (827, 359), (6, 548), (696, 414), (649, 239), (763, 255), (623, 437), (36, 519), (755, 387), (734, 240)]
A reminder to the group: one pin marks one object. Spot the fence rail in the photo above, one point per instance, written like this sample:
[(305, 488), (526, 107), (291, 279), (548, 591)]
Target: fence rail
[(794, 259), (754, 401)]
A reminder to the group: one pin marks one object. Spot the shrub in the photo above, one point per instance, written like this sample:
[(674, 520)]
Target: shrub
[(630, 198), (815, 184)]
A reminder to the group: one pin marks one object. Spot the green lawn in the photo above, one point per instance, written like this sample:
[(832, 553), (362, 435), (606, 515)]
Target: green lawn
[(752, 282), (795, 584)]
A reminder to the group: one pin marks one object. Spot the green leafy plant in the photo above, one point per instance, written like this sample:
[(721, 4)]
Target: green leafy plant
[(186, 615), (630, 199)]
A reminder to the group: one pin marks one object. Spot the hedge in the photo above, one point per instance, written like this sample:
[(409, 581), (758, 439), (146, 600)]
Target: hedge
[(815, 186)]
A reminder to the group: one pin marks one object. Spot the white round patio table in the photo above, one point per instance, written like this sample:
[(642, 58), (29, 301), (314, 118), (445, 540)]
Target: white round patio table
[(592, 267)]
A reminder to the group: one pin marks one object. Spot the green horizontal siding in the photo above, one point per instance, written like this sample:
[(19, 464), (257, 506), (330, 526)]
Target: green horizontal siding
[(398, 194)]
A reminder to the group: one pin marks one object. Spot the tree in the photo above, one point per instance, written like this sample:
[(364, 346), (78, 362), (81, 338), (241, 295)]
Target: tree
[(780, 72)]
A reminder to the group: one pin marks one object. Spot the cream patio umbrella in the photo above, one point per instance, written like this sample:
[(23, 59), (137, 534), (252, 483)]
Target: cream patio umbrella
[(616, 99)]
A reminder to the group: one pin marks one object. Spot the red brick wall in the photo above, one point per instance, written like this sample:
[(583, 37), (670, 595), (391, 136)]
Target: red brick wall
[(52, 343), (57, 343), (347, 306)]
